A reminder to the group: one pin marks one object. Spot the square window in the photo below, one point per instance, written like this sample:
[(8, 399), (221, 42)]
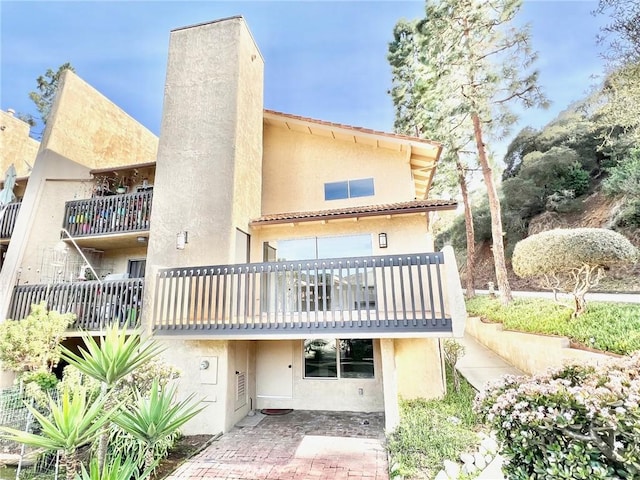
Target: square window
[(336, 190), (361, 188), (321, 359), (356, 358)]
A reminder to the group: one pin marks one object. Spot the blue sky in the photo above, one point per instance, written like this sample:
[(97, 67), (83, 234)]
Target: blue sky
[(323, 59)]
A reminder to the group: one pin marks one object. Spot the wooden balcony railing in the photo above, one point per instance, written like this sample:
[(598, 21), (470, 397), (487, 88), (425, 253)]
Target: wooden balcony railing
[(124, 213), (95, 304), (8, 220), (393, 293)]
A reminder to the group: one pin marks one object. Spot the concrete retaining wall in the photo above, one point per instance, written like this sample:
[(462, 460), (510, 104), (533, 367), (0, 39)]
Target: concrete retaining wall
[(526, 351)]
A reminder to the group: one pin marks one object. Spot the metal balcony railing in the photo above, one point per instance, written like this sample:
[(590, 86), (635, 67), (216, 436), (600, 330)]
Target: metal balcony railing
[(95, 304), (8, 220), (124, 213), (364, 295)]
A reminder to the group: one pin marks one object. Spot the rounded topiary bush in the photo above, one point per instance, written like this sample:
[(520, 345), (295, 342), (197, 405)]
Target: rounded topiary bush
[(575, 422), (571, 260), (564, 249)]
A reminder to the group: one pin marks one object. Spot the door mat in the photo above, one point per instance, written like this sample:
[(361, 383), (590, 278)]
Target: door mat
[(276, 411)]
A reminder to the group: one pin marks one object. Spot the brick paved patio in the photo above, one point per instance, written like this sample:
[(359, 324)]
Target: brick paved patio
[(301, 445)]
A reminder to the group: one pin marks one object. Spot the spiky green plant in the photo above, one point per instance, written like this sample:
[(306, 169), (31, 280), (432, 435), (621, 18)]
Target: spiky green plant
[(73, 422), (118, 354), (151, 419), (114, 469)]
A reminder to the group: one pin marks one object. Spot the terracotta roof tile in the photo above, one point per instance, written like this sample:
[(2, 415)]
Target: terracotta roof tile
[(400, 208)]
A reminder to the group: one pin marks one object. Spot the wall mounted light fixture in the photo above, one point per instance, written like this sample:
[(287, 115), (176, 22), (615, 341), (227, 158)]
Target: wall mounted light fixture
[(382, 240), (182, 238)]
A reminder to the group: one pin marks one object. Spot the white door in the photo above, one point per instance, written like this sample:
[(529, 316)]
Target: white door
[(274, 369)]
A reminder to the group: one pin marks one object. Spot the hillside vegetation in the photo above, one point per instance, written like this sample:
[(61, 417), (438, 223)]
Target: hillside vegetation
[(561, 176)]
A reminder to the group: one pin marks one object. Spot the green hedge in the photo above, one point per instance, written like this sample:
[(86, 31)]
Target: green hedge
[(612, 327)]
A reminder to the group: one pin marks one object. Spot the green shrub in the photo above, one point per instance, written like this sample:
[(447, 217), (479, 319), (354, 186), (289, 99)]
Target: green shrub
[(610, 327), (575, 179), (629, 216), (624, 177), (33, 343), (44, 380), (576, 422), (571, 260)]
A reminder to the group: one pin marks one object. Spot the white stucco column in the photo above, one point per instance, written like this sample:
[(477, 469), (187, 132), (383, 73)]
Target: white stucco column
[(454, 297), (389, 385)]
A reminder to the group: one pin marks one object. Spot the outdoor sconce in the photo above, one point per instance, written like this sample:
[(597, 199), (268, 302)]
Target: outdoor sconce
[(182, 239), (204, 364), (382, 240)]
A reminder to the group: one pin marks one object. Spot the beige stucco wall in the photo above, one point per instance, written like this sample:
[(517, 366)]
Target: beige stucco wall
[(53, 180), (209, 385), (405, 234), (214, 144), (118, 259), (16, 146), (420, 371), (88, 128), (207, 182), (215, 385), (528, 352), (247, 169), (297, 165), (330, 393)]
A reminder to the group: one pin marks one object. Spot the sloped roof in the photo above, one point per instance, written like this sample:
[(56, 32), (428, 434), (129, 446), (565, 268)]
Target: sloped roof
[(422, 154), (400, 208)]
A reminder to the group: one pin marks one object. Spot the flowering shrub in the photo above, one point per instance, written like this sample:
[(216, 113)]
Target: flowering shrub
[(576, 422)]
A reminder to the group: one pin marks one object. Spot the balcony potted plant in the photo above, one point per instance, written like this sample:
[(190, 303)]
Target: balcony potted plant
[(121, 186)]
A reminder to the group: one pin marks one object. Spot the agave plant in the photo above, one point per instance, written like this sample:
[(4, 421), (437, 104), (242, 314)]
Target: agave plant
[(73, 422), (152, 419), (114, 469), (118, 354)]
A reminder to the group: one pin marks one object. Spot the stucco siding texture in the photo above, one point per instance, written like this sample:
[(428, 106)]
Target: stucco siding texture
[(54, 180), (88, 128), (247, 180), (201, 168), (405, 234), (16, 146), (297, 165)]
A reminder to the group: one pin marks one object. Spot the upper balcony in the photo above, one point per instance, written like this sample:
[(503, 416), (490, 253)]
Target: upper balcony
[(378, 296), (8, 221), (103, 220)]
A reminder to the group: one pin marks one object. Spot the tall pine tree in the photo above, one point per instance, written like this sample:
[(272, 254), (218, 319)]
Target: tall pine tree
[(422, 112), (473, 64)]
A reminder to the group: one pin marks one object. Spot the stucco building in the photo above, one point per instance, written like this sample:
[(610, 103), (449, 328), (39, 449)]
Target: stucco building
[(286, 262)]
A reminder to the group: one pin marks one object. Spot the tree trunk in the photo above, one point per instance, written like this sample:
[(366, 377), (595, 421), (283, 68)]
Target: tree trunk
[(70, 465), (470, 232), (580, 305), (104, 434), (496, 215)]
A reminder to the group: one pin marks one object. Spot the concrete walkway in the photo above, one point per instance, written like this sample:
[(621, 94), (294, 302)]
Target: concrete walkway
[(479, 366)]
